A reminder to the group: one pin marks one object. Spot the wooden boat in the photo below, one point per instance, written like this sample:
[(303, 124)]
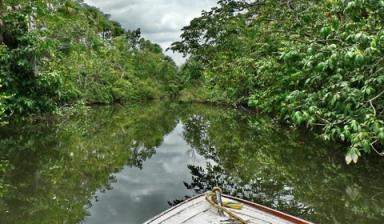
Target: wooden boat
[(199, 210)]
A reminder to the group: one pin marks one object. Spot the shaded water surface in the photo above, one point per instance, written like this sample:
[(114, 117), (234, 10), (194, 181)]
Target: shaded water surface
[(126, 164)]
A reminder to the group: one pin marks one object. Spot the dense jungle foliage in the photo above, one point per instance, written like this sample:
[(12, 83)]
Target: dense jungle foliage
[(55, 53), (314, 63)]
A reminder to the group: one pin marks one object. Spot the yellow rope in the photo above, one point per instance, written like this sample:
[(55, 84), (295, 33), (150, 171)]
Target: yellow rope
[(223, 208)]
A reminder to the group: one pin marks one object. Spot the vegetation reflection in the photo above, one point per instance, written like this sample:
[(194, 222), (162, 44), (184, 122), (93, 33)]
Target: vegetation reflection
[(50, 168), (256, 159)]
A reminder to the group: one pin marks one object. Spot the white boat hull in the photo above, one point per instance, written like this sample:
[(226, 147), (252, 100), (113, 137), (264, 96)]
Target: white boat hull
[(197, 210)]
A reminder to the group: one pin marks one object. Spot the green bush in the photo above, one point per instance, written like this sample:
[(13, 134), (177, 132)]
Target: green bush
[(136, 90)]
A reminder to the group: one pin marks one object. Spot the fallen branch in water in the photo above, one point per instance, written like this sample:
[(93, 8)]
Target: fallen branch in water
[(374, 148)]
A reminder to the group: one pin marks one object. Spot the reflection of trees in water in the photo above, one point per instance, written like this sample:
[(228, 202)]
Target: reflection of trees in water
[(58, 164), (53, 167), (196, 134), (260, 161), (139, 155)]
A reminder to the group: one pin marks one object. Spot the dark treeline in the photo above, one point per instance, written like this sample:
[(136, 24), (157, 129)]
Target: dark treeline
[(55, 53), (314, 63)]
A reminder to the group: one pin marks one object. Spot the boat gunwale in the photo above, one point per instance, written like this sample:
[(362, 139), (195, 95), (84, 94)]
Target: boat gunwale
[(270, 211), (263, 208)]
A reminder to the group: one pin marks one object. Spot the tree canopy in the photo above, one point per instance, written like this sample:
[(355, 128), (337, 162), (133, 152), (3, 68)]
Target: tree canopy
[(55, 53), (314, 63)]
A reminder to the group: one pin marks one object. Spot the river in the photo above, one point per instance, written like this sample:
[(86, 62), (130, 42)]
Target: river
[(126, 164)]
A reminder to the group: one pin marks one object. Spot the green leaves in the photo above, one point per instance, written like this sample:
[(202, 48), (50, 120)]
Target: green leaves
[(352, 155), (297, 117), (75, 53), (325, 31), (317, 64)]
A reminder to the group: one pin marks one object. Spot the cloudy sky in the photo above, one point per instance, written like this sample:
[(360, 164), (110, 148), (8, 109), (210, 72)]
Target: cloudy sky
[(160, 20)]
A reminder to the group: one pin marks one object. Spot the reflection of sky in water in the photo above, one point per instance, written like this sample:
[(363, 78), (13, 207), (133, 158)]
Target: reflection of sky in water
[(140, 194)]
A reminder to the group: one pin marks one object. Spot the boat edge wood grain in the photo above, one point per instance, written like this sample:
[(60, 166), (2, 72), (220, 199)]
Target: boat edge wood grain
[(271, 211), (281, 215), (172, 208)]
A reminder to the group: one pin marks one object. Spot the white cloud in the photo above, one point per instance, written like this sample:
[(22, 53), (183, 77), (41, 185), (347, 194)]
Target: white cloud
[(160, 20)]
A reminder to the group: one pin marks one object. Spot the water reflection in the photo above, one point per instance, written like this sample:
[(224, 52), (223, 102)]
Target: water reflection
[(125, 164), (56, 164), (291, 171), (140, 193)]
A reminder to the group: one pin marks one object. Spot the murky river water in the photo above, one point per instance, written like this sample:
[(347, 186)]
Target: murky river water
[(126, 164)]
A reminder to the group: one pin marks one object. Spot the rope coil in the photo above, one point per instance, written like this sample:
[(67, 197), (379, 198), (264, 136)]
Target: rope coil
[(222, 206)]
